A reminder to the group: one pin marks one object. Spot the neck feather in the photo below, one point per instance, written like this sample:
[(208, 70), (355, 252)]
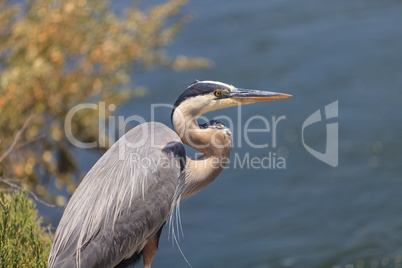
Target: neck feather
[(214, 143)]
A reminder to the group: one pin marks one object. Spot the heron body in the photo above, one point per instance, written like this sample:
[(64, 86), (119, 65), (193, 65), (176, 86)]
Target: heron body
[(117, 213)]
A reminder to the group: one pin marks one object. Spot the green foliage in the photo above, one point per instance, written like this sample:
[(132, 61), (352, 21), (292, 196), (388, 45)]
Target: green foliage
[(55, 54), (23, 242)]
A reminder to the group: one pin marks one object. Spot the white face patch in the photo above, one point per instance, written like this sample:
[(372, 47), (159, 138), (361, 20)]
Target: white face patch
[(195, 106), (206, 103), (218, 104)]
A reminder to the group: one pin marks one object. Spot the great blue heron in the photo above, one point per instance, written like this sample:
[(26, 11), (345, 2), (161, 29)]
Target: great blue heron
[(117, 213)]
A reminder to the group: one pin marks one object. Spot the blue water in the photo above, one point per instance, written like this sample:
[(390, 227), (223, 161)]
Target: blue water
[(309, 214)]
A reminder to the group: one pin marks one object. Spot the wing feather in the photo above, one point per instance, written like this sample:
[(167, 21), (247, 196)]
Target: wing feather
[(123, 200)]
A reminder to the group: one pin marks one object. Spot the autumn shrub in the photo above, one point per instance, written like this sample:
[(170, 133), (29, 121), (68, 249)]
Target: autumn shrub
[(55, 54)]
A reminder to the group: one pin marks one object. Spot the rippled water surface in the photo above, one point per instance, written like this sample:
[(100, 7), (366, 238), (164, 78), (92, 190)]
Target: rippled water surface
[(309, 214)]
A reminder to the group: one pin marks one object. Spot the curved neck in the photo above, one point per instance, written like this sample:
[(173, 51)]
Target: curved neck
[(214, 143)]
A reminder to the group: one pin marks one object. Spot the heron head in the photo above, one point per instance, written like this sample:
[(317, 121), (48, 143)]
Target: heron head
[(206, 96)]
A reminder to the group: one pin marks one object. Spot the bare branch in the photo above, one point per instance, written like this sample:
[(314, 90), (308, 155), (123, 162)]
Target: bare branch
[(31, 141), (16, 139), (15, 186)]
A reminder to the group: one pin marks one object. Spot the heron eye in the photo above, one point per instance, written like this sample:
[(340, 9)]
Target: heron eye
[(218, 93)]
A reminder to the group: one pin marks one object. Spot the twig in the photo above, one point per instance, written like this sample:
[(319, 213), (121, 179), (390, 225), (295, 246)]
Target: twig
[(16, 138), (30, 192), (31, 141)]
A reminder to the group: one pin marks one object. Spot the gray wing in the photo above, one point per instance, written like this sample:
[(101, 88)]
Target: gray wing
[(123, 200)]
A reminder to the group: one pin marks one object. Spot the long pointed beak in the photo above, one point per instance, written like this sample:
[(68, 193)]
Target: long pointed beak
[(247, 96)]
